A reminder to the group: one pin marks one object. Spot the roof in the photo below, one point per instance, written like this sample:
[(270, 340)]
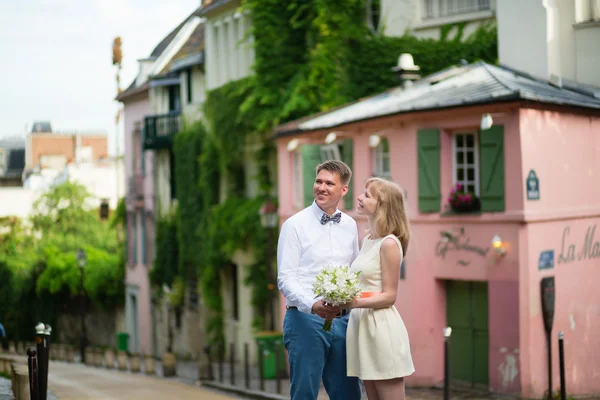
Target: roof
[(213, 5), (15, 157), (41, 126), (460, 86), (193, 45), (132, 89)]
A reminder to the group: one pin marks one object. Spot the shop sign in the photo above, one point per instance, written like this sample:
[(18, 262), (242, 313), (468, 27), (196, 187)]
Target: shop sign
[(457, 242), (589, 250)]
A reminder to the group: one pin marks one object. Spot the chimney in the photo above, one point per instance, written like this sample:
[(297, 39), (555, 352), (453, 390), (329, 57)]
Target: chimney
[(407, 70)]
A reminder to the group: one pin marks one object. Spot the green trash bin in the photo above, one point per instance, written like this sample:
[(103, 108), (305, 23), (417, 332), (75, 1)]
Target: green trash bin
[(269, 342), (123, 341)]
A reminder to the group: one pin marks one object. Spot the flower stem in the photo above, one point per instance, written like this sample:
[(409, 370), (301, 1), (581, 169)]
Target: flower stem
[(327, 325)]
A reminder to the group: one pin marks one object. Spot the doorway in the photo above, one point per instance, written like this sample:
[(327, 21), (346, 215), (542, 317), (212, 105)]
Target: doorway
[(467, 315), (132, 319)]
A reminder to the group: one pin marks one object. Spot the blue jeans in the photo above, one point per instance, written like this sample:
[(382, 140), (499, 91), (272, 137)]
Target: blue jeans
[(316, 355)]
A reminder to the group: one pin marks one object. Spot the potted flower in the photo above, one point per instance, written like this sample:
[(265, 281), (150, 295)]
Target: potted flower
[(461, 201)]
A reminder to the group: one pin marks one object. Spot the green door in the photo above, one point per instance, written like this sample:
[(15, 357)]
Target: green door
[(467, 315)]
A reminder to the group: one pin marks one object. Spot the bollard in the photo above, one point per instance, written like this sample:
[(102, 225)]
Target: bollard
[(277, 376), (447, 333), (561, 361), (232, 363), (246, 366), (260, 366), (33, 373), (42, 352)]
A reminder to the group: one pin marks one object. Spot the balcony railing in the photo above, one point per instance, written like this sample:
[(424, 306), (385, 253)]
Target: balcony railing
[(159, 130)]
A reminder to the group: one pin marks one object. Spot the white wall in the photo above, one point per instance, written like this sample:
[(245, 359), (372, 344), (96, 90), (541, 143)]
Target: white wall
[(588, 54), (193, 111), (17, 201), (523, 45), (551, 42), (401, 16), (228, 56)]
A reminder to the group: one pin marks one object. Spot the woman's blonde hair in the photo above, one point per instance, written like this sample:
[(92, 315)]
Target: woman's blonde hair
[(390, 217)]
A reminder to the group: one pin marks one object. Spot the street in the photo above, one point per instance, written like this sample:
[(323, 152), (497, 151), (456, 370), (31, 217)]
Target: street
[(78, 382)]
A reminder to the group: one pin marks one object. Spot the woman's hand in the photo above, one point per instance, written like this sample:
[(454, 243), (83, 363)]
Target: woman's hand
[(351, 305)]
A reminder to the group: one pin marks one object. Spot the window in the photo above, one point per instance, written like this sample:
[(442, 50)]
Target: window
[(373, 11), (188, 82), (444, 8), (132, 239), (465, 159), (381, 159), (174, 99), (297, 160), (330, 152), (233, 290)]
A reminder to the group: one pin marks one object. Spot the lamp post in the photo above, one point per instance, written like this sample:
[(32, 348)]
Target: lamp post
[(82, 261), (268, 219)]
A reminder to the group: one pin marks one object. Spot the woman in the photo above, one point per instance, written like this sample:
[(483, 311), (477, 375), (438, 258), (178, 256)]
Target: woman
[(377, 346)]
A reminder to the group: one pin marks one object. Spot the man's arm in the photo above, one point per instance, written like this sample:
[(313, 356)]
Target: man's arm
[(288, 262)]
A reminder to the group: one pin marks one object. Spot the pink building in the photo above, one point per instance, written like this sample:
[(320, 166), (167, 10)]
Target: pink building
[(533, 161)]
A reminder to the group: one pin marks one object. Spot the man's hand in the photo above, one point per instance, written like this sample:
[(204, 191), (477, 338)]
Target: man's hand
[(325, 311)]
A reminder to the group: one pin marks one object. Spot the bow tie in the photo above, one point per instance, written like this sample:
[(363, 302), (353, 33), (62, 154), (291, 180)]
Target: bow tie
[(326, 218)]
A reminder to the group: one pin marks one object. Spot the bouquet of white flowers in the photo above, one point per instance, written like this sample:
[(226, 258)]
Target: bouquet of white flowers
[(336, 286)]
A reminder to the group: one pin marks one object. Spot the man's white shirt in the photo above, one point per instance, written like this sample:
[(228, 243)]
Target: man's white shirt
[(305, 247)]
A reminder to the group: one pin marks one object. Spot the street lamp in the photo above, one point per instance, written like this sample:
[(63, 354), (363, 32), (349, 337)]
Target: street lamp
[(268, 220), (82, 261)]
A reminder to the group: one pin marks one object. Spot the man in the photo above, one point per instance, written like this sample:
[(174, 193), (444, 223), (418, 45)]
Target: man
[(318, 236)]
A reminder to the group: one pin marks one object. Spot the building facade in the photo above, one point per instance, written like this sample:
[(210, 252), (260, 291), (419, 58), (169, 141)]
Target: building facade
[(560, 42), (478, 270)]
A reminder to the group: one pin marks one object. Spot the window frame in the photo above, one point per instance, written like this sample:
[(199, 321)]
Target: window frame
[(332, 150), (378, 160), (435, 9), (476, 165), (297, 178)]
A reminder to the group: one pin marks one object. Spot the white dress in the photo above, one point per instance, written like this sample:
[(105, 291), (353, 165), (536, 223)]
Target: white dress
[(377, 344)]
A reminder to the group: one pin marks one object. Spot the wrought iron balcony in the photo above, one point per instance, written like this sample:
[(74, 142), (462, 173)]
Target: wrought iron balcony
[(159, 130)]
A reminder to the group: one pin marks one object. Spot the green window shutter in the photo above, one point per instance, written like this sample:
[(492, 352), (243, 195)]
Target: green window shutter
[(347, 157), (491, 156), (144, 238), (311, 157), (428, 147)]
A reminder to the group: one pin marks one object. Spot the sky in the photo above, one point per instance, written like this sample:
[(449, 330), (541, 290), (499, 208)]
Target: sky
[(56, 59)]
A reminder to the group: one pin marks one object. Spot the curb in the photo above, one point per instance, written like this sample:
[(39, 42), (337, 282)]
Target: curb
[(251, 394)]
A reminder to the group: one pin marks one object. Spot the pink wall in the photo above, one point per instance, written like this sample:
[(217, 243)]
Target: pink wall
[(564, 150), (134, 111), (577, 311)]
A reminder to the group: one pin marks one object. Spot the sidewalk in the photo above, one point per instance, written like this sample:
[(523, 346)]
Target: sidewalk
[(188, 373)]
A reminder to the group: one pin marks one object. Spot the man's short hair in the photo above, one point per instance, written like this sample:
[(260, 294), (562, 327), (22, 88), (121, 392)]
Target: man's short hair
[(339, 167)]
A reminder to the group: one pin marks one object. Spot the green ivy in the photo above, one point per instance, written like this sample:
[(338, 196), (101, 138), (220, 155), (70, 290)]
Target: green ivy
[(187, 148), (166, 262)]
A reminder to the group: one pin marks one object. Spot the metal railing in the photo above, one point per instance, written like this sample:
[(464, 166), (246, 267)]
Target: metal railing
[(159, 130)]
